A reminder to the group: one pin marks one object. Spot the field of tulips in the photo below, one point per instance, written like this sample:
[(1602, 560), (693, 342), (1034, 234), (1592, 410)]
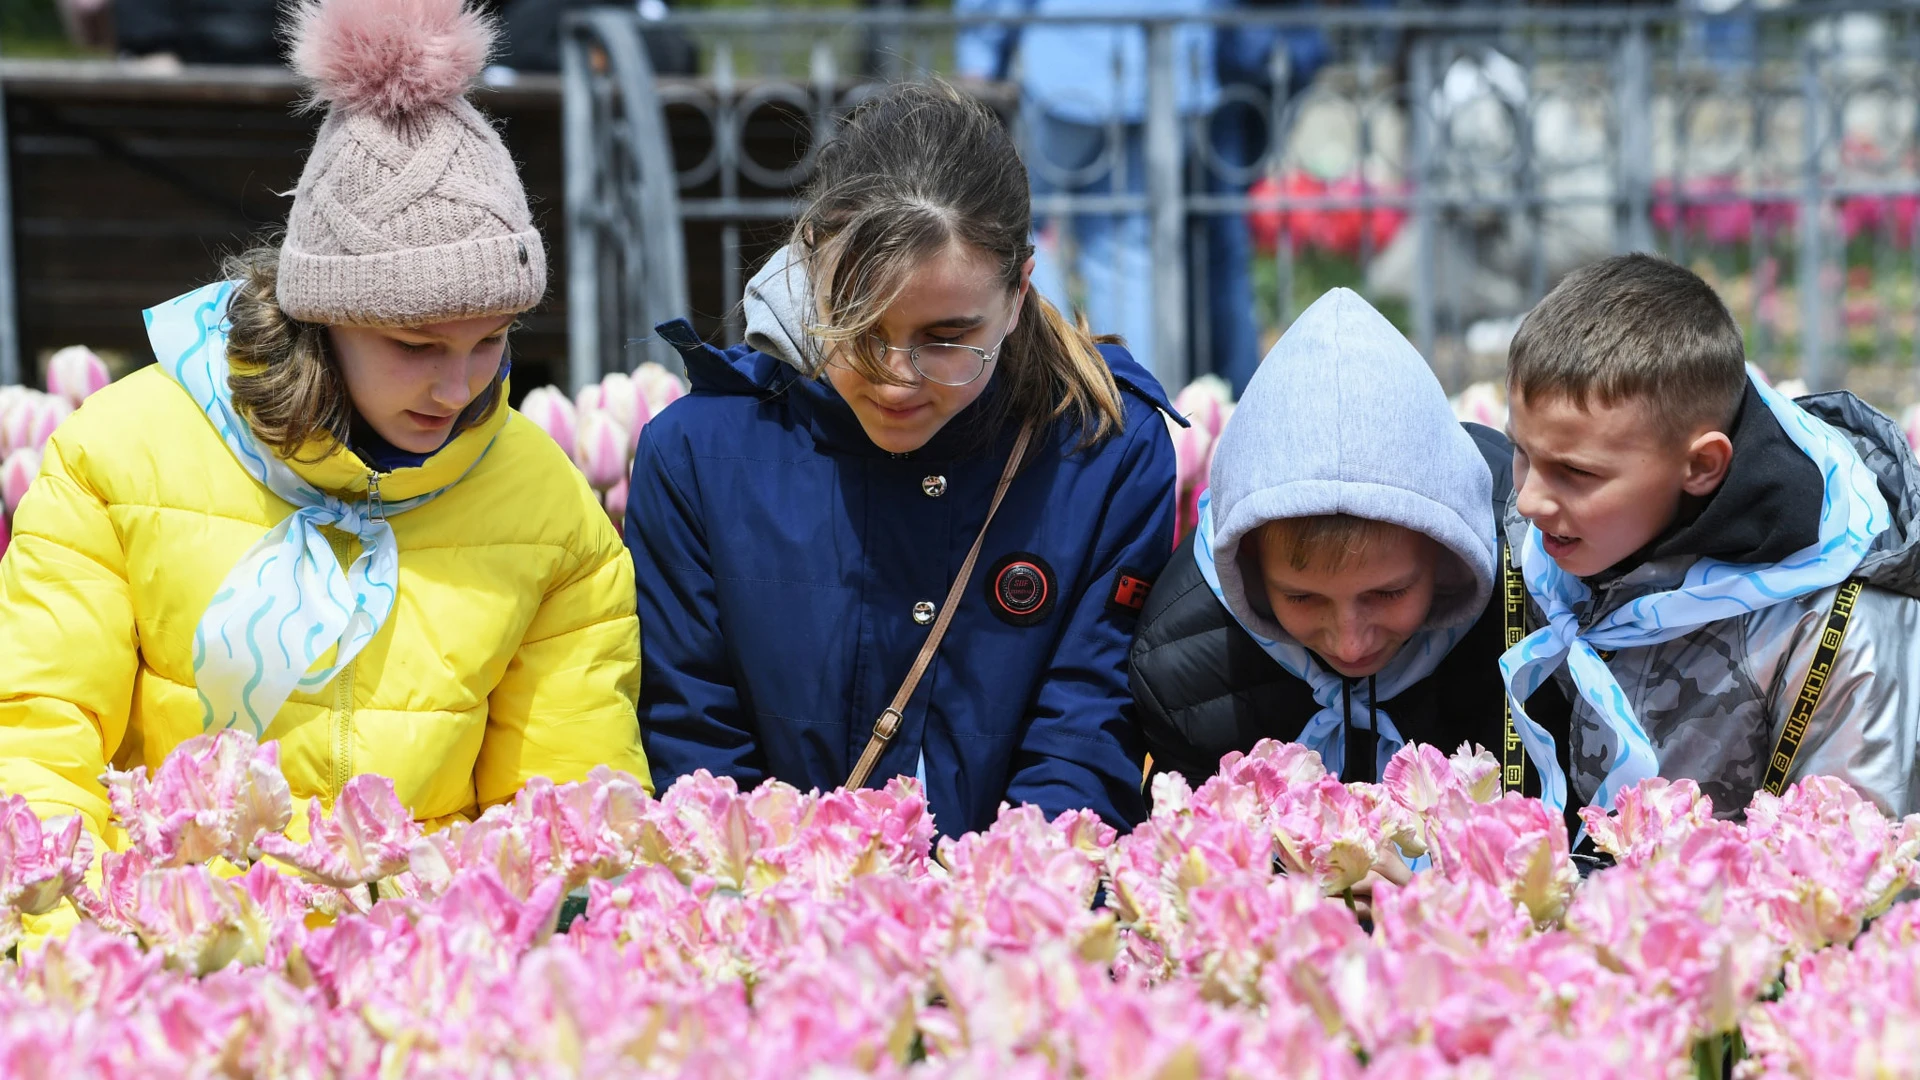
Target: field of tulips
[(776, 933)]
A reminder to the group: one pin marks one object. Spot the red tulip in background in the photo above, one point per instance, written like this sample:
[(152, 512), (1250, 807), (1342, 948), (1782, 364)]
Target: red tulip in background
[(1338, 230), (1711, 209), (1896, 214)]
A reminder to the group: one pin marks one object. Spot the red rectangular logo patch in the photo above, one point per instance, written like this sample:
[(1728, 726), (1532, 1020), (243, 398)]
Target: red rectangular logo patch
[(1130, 592)]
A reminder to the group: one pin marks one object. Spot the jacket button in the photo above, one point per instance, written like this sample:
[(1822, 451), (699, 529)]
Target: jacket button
[(934, 486), (923, 612)]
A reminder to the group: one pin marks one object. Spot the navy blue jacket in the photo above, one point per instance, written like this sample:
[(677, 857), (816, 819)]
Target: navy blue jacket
[(779, 556)]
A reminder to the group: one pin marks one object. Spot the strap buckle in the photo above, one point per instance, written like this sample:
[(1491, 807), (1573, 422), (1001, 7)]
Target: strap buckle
[(888, 724)]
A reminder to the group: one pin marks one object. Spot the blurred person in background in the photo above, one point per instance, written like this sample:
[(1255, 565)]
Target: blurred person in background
[(1083, 101)]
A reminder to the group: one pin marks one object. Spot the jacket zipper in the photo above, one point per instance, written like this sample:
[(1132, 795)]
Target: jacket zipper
[(342, 718)]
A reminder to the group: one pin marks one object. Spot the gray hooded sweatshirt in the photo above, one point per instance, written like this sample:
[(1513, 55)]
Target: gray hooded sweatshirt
[(778, 308), (1345, 417)]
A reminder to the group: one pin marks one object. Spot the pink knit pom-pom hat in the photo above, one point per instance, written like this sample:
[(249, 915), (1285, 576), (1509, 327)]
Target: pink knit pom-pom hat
[(410, 210)]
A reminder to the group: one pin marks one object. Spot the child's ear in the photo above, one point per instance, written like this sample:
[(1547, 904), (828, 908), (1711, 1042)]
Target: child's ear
[(1708, 458)]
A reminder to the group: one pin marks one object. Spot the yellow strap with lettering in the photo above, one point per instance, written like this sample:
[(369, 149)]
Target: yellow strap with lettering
[(1780, 765), (1513, 759)]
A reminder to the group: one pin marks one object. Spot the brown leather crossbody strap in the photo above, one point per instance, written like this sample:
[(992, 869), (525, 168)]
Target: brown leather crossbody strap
[(889, 722)]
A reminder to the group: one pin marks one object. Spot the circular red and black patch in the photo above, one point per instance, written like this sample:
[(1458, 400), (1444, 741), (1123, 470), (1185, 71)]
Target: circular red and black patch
[(1021, 588)]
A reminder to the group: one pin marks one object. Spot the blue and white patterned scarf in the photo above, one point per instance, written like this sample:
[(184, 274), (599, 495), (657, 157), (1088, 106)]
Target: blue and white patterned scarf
[(286, 603), (1325, 733), (1853, 514)]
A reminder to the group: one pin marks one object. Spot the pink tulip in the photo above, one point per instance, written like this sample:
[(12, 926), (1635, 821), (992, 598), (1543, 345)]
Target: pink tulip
[(1193, 463), (1322, 831), (6, 534), (518, 856), (592, 828), (369, 836), (215, 796), (1462, 916), (17, 474), (30, 422), (1418, 776), (602, 450), (615, 501), (1248, 785), (1206, 403), (76, 373), (1668, 926), (1482, 403), (14, 421), (1514, 843), (553, 413), (1649, 819), (197, 921), (626, 401), (658, 387), (1910, 425), (40, 865), (11, 398)]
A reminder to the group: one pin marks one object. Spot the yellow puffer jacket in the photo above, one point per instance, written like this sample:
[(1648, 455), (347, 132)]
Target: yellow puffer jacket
[(511, 652)]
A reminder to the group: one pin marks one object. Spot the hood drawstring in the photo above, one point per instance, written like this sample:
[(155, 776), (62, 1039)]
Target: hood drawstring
[(1370, 748), (1346, 730), (1363, 744)]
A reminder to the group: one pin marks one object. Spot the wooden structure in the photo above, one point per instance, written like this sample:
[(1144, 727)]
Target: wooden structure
[(130, 182)]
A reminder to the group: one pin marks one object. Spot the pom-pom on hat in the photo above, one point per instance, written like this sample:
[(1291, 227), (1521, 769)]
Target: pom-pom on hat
[(409, 210)]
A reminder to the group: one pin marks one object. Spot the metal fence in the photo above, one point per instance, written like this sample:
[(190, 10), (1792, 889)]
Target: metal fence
[(1197, 181)]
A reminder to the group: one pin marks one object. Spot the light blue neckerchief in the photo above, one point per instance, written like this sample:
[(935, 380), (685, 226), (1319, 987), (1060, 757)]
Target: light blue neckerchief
[(1325, 733), (285, 604), (1853, 514)]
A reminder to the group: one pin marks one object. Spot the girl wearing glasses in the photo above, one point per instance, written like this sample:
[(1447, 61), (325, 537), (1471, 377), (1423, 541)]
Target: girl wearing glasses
[(906, 528)]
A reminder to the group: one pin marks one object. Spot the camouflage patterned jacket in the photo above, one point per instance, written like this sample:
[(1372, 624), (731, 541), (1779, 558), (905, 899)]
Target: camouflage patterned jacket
[(1715, 701)]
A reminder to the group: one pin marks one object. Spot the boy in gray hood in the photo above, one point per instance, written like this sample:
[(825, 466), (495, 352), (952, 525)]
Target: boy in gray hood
[(1344, 588)]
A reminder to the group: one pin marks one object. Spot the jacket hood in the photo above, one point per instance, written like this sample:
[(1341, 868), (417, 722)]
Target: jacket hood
[(778, 306), (1345, 417), (1893, 562)]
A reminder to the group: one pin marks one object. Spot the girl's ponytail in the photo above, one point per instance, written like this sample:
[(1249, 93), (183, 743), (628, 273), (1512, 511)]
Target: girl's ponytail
[(1081, 387)]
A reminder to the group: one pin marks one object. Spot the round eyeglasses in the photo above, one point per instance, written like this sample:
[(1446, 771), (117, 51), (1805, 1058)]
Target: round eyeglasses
[(942, 362)]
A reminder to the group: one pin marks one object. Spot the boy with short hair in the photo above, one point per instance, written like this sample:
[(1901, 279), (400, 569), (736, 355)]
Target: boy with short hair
[(1727, 577)]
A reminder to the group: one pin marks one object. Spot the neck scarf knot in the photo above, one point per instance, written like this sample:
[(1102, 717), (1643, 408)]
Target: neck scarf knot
[(287, 603)]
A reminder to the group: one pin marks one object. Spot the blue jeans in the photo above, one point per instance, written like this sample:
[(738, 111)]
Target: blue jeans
[(1114, 256)]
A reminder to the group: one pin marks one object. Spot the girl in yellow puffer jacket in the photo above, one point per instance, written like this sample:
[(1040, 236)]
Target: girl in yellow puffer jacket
[(316, 519)]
